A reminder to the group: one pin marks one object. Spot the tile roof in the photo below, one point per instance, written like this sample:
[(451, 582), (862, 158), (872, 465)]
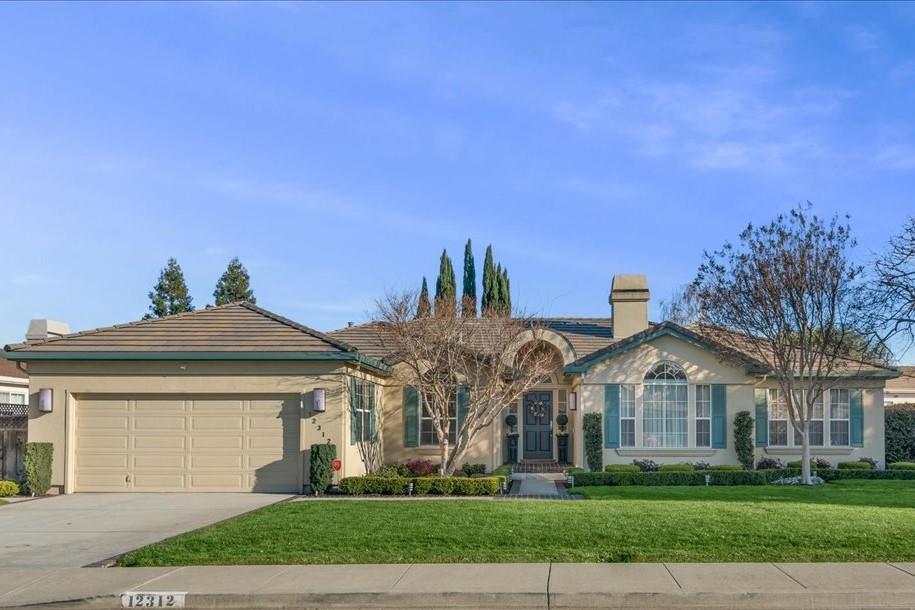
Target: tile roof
[(906, 380), (237, 327), (8, 368)]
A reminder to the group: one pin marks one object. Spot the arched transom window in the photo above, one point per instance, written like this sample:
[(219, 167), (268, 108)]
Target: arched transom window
[(665, 406)]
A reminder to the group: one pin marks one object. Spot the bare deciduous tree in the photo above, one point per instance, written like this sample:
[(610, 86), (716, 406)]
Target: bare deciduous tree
[(364, 408), (894, 285), (789, 295), (485, 364)]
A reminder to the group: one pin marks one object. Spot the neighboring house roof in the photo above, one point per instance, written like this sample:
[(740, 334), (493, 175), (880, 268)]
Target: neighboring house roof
[(234, 331), (8, 368), (905, 381)]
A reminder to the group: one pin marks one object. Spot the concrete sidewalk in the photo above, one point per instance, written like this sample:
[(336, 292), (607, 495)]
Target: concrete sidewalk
[(647, 585)]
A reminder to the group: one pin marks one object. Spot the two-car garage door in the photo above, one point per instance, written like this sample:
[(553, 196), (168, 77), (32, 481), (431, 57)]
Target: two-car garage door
[(188, 443)]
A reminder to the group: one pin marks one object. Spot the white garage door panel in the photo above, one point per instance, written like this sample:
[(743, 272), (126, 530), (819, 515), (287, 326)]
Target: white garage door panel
[(191, 443)]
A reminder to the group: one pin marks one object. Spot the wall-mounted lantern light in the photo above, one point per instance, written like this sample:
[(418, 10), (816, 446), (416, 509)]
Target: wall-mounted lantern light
[(573, 401), (45, 400), (317, 404)]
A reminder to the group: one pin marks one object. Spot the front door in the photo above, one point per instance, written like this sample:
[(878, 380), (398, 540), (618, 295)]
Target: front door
[(538, 425)]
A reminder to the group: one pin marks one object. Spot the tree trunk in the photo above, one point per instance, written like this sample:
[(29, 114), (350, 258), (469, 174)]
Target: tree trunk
[(805, 454), (443, 467)]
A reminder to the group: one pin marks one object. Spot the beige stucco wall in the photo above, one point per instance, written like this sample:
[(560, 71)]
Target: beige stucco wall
[(704, 367), (69, 380)]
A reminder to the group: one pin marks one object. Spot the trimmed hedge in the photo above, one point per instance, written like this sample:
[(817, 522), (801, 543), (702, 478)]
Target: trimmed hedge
[(422, 486), (729, 477), (676, 468), (9, 488), (727, 467), (37, 462), (855, 466), (902, 466), (594, 441), (321, 467), (743, 438), (621, 468), (900, 433)]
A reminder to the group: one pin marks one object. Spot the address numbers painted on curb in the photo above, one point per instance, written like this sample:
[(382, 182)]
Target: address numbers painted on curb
[(151, 599)]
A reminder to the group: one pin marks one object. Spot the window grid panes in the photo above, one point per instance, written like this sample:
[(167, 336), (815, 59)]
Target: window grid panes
[(665, 407), (427, 434), (627, 415), (12, 398), (778, 419), (816, 423), (838, 417), (703, 416), (363, 410)]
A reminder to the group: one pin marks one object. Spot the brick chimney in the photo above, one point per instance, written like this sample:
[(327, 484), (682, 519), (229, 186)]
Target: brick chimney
[(629, 305)]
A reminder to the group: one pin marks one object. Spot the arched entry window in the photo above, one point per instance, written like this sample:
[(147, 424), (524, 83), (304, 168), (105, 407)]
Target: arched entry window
[(665, 421)]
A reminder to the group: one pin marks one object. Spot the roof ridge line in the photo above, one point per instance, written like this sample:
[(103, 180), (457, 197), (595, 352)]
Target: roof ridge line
[(297, 326)]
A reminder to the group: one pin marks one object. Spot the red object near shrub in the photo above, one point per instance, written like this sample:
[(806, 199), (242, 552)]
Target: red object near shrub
[(421, 468)]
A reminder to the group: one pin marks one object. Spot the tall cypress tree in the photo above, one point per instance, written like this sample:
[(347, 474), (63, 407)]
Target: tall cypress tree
[(469, 298), (170, 295), (498, 291), (423, 306), (445, 287), (489, 270), (507, 293), (234, 285)]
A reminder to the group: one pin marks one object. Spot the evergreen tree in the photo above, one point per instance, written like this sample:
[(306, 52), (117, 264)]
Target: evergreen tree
[(489, 270), (169, 296), (498, 305), (469, 299), (507, 294), (445, 287), (423, 306), (234, 285)]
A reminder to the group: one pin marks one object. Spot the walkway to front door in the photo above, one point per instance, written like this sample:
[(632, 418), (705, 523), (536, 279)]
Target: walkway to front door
[(538, 425)]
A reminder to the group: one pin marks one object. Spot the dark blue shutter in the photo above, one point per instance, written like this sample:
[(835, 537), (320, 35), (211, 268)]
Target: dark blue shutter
[(463, 395), (719, 416), (762, 419), (410, 417), (612, 415), (856, 417)]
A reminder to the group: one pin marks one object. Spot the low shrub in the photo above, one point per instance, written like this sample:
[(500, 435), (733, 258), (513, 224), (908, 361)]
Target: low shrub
[(435, 486), (37, 462), (421, 468), (727, 467), (700, 465), (682, 467), (856, 465), (394, 470), (769, 463), (730, 477), (869, 460), (815, 464), (574, 470), (504, 471), (9, 488), (621, 468), (472, 469), (646, 465), (902, 466), (857, 473)]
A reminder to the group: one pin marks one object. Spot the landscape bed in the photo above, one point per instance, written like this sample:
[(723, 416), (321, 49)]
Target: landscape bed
[(849, 520)]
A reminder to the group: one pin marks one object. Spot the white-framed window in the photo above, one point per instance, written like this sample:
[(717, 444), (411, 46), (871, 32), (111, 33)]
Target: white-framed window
[(627, 415), (816, 423), (703, 416), (12, 398), (427, 434), (778, 419), (838, 417), (363, 410), (665, 407)]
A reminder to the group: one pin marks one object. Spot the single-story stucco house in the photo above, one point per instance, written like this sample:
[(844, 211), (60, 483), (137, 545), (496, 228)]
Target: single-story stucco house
[(231, 398)]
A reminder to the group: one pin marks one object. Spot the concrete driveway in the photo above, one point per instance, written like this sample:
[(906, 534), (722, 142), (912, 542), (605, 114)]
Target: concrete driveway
[(79, 529)]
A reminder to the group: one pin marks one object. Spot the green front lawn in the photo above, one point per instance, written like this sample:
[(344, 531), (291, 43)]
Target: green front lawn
[(842, 521)]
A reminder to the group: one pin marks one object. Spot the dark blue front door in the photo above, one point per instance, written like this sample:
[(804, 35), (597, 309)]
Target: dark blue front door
[(538, 425)]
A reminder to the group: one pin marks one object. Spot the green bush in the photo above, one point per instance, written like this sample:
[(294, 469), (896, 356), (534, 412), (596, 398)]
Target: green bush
[(743, 439), (900, 433), (682, 467), (855, 465), (9, 488), (621, 468), (730, 477), (434, 486), (855, 473), (321, 468), (393, 470), (594, 450), (727, 467), (472, 469), (901, 466), (37, 462), (503, 471)]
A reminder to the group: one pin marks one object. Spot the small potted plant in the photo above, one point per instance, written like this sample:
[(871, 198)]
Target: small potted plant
[(511, 420), (562, 420)]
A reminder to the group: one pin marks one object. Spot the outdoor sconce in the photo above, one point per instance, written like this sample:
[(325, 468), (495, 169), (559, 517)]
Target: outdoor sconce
[(45, 400), (317, 396), (573, 401)]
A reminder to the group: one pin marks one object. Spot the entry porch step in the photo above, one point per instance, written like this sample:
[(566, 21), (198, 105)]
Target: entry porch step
[(538, 467)]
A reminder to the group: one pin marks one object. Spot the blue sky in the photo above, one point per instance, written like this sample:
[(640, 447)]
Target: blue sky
[(338, 148)]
